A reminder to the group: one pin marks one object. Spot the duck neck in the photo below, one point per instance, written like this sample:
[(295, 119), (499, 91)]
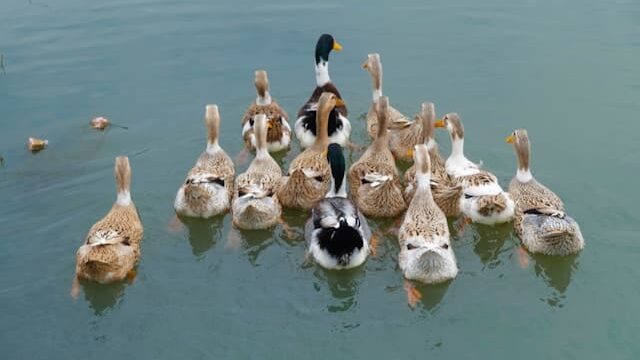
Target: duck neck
[(123, 183), (212, 119), (524, 175), (263, 99), (337, 188), (377, 93), (524, 172), (322, 130), (377, 85), (212, 147), (322, 72), (124, 198), (261, 139), (457, 148), (423, 181)]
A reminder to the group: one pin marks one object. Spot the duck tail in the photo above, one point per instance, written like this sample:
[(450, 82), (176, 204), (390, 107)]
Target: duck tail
[(561, 233), (492, 204), (260, 126)]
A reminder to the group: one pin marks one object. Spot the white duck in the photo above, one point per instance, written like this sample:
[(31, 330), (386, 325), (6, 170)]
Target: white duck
[(484, 201)]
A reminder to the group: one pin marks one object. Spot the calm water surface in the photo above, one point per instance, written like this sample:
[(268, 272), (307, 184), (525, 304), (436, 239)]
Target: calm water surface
[(566, 70)]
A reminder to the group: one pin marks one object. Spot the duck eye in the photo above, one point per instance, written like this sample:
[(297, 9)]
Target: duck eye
[(445, 246), (319, 178), (411, 247)]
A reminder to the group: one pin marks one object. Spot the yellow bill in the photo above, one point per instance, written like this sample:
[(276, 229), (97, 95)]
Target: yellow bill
[(510, 139), (410, 153), (340, 102), (337, 46), (440, 123)]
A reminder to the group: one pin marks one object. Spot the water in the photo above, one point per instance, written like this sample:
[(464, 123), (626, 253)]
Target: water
[(567, 71)]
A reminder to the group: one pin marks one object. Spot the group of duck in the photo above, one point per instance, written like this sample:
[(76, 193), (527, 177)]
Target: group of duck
[(337, 232)]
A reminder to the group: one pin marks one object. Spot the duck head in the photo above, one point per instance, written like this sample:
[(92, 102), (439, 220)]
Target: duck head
[(453, 124)]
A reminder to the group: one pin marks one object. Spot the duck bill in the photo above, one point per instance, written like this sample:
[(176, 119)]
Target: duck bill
[(340, 102), (337, 46), (365, 65), (510, 139), (439, 123)]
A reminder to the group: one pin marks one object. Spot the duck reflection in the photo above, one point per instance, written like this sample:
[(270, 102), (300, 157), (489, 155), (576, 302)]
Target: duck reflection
[(426, 295), (102, 297), (489, 243), (343, 285), (202, 233), (556, 271), (255, 241)]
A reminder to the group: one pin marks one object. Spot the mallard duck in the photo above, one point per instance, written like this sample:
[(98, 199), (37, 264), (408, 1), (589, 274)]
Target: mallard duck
[(373, 179), (337, 233), (209, 185), (446, 192), (339, 126), (426, 253), (396, 119), (279, 131), (483, 201), (540, 219), (309, 174), (255, 205), (112, 246)]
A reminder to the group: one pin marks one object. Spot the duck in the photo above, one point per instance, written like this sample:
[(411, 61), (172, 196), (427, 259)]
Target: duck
[(208, 188), (426, 254), (279, 131), (374, 181), (484, 201), (308, 178), (397, 120), (337, 233), (255, 204), (339, 125), (540, 219), (111, 248), (446, 192)]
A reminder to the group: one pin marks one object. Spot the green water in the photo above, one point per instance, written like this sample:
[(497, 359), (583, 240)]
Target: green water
[(565, 70)]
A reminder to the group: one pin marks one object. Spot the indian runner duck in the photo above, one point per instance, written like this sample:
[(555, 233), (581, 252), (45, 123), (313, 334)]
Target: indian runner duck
[(279, 131), (309, 174), (446, 193), (337, 233), (112, 247), (255, 204), (426, 253), (208, 187), (540, 219), (397, 120), (338, 123), (374, 180), (484, 201)]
